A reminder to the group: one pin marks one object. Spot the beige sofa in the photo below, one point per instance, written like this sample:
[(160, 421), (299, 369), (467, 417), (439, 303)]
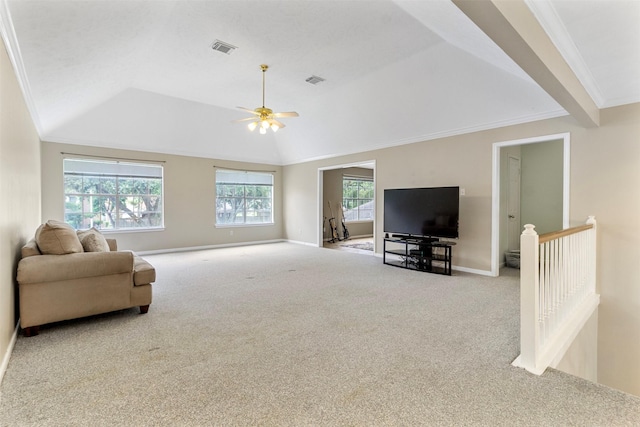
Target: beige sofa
[(64, 274)]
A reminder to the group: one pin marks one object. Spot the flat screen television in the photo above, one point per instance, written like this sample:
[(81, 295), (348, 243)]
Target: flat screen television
[(422, 212)]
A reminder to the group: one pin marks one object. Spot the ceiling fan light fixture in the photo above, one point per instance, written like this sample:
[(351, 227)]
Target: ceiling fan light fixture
[(264, 117)]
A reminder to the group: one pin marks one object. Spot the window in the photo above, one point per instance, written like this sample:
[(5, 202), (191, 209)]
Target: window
[(112, 195), (357, 198), (244, 197)]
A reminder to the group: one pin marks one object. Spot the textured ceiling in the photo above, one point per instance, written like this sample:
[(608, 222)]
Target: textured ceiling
[(141, 74)]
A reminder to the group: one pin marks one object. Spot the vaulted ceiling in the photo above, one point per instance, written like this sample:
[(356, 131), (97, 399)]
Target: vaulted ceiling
[(142, 75)]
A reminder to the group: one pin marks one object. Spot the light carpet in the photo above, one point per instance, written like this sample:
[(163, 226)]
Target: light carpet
[(290, 335)]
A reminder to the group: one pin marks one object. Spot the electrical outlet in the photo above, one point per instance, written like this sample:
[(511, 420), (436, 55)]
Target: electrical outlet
[(462, 192), (230, 232)]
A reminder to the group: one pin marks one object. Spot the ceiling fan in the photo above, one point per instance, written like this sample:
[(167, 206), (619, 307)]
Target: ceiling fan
[(263, 116)]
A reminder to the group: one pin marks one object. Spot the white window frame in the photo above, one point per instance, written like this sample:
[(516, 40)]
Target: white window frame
[(244, 178), (344, 204), (118, 169)]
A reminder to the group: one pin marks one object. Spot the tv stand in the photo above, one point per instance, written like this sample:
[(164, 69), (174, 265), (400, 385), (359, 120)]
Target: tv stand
[(417, 253), (411, 238)]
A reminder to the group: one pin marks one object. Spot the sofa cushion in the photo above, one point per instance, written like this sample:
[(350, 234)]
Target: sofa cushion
[(92, 240), (30, 249), (57, 238), (143, 272), (113, 244)]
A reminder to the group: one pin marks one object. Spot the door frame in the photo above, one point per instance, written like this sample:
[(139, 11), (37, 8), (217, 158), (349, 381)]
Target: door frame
[(320, 194), (495, 205), (516, 241)]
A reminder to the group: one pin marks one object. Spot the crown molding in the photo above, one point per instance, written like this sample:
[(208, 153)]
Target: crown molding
[(13, 51), (438, 135), (548, 18), (171, 152)]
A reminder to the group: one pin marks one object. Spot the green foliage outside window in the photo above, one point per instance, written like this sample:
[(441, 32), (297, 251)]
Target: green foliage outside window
[(243, 202), (357, 199), (112, 201)]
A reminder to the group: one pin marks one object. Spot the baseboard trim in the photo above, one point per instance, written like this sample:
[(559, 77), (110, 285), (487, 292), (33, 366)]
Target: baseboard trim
[(299, 242), (201, 248), (7, 355), (472, 270), (453, 267), (363, 236)]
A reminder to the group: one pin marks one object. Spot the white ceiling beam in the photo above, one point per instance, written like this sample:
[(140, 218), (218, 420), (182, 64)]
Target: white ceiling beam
[(514, 28)]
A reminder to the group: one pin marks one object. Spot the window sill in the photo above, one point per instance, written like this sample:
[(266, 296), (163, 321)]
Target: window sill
[(244, 225), (132, 230)]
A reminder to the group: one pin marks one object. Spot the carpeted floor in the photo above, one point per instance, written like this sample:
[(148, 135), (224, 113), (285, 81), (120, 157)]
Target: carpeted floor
[(291, 335)]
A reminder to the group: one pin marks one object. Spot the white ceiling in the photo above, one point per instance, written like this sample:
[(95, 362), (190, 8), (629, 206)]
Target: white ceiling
[(142, 75)]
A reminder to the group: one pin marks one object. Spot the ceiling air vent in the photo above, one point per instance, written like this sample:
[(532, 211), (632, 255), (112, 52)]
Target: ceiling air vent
[(223, 47), (314, 80)]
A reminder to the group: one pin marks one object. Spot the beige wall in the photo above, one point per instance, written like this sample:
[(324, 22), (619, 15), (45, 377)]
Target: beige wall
[(581, 358), (445, 162), (19, 192), (605, 175), (332, 191), (189, 196)]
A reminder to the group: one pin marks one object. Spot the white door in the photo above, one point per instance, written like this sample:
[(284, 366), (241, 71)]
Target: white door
[(513, 204)]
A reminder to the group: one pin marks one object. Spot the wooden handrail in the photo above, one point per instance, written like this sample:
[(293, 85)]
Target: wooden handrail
[(546, 237)]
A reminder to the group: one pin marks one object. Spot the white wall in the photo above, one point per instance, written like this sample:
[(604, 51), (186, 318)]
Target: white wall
[(19, 192), (189, 200), (605, 175)]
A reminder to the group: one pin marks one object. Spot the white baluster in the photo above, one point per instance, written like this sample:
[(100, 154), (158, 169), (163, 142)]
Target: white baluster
[(558, 280)]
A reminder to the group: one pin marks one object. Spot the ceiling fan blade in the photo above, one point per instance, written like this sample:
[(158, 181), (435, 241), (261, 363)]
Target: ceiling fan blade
[(249, 111), (286, 114), (244, 120), (279, 124)]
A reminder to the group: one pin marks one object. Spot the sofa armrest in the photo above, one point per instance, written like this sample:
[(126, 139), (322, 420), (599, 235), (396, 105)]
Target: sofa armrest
[(51, 268), (143, 272)]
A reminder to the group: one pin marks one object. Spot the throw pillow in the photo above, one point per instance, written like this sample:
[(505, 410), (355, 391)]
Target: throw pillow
[(57, 238), (93, 241)]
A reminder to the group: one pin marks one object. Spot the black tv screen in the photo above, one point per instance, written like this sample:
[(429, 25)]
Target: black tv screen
[(422, 212)]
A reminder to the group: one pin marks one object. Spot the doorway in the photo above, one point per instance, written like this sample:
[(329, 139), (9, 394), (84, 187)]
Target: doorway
[(539, 192), (513, 203), (346, 207)]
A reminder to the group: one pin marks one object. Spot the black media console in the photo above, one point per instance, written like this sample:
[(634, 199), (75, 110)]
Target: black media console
[(422, 254)]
